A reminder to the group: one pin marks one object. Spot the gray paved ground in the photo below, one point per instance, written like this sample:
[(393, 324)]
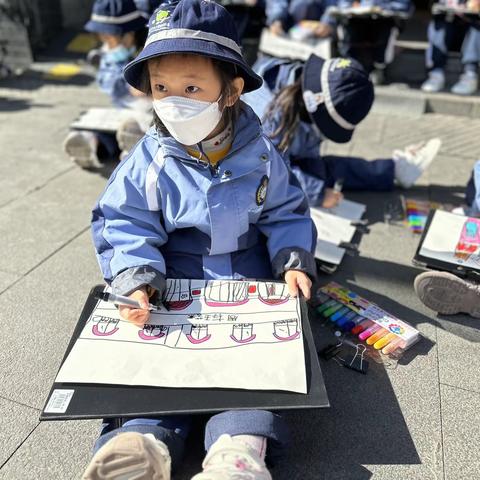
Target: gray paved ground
[(414, 420)]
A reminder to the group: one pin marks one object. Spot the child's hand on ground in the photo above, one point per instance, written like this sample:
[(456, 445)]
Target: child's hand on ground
[(332, 198), (276, 28), (138, 316), (298, 280)]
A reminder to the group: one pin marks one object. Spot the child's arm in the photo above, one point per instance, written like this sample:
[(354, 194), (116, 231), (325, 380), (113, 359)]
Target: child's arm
[(286, 223), (127, 229)]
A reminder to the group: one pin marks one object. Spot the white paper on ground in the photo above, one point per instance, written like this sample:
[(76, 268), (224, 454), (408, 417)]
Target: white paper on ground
[(331, 231), (454, 239), (347, 209), (224, 334), (110, 119)]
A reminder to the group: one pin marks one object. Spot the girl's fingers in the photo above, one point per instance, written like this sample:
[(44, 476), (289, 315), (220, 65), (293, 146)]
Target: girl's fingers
[(305, 285), (292, 286)]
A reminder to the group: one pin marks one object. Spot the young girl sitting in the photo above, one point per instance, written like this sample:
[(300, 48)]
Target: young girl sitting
[(117, 23), (304, 104), (204, 195)]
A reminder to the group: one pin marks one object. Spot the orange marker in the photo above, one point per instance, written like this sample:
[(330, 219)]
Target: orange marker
[(392, 346), (377, 336), (384, 341)]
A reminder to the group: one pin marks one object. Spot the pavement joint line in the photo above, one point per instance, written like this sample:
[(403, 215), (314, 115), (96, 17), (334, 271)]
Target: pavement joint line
[(20, 403), (19, 446), (68, 242), (460, 388), (440, 404), (38, 187)]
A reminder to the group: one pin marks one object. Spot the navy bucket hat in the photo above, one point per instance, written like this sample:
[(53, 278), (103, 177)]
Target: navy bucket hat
[(338, 95), (201, 27), (115, 17)]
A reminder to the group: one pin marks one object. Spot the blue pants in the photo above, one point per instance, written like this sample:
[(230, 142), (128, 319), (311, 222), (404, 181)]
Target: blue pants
[(173, 430), (356, 173), (455, 35)]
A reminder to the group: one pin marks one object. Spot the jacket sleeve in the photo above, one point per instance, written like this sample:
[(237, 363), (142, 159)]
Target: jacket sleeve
[(111, 81), (126, 226), (286, 222), (276, 10)]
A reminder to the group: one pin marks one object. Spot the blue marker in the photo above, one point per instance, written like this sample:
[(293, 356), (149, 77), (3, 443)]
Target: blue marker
[(346, 318), (338, 315)]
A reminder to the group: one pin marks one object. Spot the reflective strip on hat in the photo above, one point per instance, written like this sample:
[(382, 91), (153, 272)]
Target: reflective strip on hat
[(339, 120), (194, 34), (116, 20)]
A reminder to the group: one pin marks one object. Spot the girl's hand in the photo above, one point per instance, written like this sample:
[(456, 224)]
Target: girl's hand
[(276, 28), (332, 198), (298, 280), (138, 316), (323, 30)]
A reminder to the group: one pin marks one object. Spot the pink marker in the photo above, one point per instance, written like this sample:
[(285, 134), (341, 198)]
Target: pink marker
[(392, 346), (369, 331)]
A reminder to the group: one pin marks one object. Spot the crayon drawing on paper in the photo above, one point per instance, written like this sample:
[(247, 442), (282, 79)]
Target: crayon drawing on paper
[(454, 239), (230, 334)]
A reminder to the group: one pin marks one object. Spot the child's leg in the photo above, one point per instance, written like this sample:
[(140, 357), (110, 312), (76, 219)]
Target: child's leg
[(360, 174), (354, 38), (130, 445), (471, 49), (237, 442), (384, 45), (472, 193)]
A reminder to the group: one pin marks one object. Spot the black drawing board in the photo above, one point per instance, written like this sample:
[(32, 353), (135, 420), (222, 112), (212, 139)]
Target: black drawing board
[(435, 264), (103, 401)]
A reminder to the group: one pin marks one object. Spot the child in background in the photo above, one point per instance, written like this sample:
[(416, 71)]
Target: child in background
[(284, 14), (371, 40), (445, 292), (204, 195), (304, 104), (116, 22), (452, 34)]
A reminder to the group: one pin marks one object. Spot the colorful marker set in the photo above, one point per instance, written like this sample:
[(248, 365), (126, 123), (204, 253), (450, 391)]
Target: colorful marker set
[(352, 313), (416, 213)]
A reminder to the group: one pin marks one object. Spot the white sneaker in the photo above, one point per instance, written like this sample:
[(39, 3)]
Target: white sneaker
[(435, 82), (81, 147), (414, 160), (466, 85), (128, 134), (130, 456), (232, 459)]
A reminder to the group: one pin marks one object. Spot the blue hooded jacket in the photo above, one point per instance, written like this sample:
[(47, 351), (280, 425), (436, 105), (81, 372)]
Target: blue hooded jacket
[(305, 145), (167, 214)]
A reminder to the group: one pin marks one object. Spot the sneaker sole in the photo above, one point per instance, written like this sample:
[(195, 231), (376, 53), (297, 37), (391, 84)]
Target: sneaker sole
[(115, 460), (447, 294), (80, 152)]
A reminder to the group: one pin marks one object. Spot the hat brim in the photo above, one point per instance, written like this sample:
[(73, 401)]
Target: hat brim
[(133, 71), (322, 119), (112, 29)]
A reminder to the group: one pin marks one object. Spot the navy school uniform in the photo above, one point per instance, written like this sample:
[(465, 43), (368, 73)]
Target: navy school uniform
[(371, 40), (314, 171), (472, 195)]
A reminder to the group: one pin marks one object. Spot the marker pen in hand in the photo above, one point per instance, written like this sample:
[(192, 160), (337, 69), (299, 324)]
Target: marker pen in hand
[(120, 300), (338, 186)]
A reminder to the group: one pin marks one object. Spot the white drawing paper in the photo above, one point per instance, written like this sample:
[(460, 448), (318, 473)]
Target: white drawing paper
[(347, 209), (224, 334), (331, 231), (110, 119), (454, 239)]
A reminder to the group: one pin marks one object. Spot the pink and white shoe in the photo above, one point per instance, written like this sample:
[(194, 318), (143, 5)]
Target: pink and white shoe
[(232, 459)]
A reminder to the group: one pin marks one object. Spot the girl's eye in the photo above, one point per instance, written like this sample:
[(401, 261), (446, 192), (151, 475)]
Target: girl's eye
[(192, 89), (160, 88)]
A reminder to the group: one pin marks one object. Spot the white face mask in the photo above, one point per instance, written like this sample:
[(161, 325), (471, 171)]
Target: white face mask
[(189, 121)]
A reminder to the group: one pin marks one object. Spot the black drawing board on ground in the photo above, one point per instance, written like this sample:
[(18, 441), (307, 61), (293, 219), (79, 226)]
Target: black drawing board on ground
[(103, 401), (426, 261)]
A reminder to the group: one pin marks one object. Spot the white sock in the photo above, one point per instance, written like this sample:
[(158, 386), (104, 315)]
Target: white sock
[(256, 442)]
